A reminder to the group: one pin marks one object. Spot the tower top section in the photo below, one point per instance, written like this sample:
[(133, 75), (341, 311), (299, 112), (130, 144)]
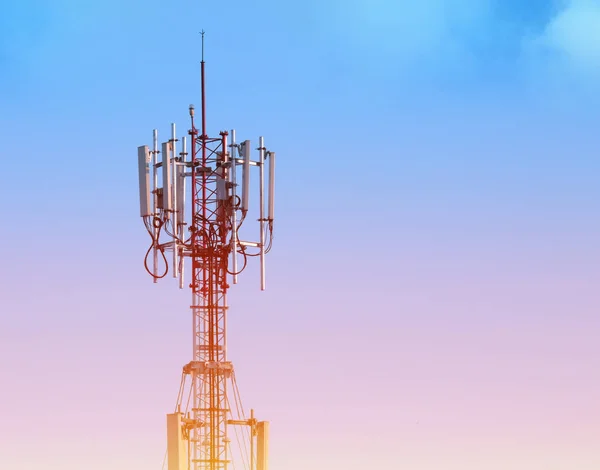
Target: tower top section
[(197, 199)]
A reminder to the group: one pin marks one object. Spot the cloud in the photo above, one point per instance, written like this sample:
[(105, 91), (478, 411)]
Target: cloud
[(570, 42), (407, 31)]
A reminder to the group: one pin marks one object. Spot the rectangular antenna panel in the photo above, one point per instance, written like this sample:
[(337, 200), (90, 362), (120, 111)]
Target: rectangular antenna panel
[(144, 178), (180, 184), (247, 151), (180, 194), (221, 187), (262, 445), (271, 215), (221, 182), (166, 174), (176, 443)]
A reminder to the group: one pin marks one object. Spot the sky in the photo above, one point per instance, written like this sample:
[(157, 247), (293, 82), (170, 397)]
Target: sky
[(432, 297)]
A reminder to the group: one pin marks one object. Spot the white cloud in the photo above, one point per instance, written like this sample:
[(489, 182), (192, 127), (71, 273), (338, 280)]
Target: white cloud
[(406, 30), (571, 39)]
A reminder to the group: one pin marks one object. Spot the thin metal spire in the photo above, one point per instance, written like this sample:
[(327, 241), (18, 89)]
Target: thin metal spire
[(203, 96), (202, 33)]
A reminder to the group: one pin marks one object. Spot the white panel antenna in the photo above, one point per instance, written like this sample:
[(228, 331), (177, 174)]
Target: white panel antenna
[(166, 173), (262, 447), (271, 212), (176, 443), (180, 187), (221, 181), (144, 179), (246, 152)]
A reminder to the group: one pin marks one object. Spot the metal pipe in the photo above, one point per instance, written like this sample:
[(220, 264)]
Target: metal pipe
[(154, 198), (174, 219), (202, 91), (246, 178), (181, 207), (261, 150), (233, 180)]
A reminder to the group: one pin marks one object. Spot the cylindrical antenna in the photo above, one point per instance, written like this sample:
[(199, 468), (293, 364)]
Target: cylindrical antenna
[(271, 186), (232, 180), (246, 176), (261, 190)]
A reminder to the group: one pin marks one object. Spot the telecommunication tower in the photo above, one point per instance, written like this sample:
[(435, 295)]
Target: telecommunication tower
[(207, 237)]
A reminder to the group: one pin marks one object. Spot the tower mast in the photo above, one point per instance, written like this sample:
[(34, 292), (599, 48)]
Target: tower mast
[(197, 433), (210, 253)]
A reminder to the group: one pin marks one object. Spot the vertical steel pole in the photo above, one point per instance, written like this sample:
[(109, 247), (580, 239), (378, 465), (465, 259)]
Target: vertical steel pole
[(181, 209), (174, 219), (233, 179), (155, 200), (225, 231), (194, 433), (261, 162)]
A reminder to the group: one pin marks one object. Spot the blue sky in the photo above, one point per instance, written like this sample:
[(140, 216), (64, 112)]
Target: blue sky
[(395, 40), (437, 201), (335, 49)]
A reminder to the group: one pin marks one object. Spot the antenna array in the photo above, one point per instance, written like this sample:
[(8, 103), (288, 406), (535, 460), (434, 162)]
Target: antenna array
[(164, 189), (193, 204)]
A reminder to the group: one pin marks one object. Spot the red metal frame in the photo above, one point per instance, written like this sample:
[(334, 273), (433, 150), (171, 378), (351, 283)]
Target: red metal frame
[(210, 229)]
